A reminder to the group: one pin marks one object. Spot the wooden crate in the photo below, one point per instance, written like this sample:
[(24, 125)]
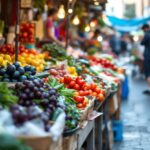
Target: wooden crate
[(42, 143), (70, 143)]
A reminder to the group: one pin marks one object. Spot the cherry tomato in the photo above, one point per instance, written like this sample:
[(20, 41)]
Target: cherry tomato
[(97, 90), (80, 105), (79, 99), (93, 86), (72, 83), (81, 93), (61, 80), (103, 92), (67, 79), (81, 82), (76, 87), (101, 97), (94, 94), (84, 103)]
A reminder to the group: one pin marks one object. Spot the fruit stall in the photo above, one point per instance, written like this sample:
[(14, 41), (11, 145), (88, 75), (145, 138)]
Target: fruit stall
[(53, 100)]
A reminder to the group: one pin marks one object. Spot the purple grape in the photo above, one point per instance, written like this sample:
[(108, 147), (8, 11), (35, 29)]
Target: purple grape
[(31, 95), (23, 96), (53, 98)]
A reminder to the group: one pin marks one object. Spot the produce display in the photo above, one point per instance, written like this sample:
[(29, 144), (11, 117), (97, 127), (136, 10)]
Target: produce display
[(14, 73), (69, 87), (26, 57), (27, 33)]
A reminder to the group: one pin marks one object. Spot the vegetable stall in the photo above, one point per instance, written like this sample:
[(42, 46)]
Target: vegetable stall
[(49, 94)]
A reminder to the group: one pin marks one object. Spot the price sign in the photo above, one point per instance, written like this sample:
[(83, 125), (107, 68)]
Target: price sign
[(26, 3)]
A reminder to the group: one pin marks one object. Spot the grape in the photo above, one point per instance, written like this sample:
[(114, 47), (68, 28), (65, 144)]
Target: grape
[(27, 90), (23, 96), (53, 97)]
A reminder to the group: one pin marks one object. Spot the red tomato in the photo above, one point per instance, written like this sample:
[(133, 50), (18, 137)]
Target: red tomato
[(80, 105), (76, 87), (94, 94), (93, 86), (72, 84), (103, 92), (81, 82), (79, 99), (97, 90), (84, 103), (67, 79), (101, 97), (81, 93)]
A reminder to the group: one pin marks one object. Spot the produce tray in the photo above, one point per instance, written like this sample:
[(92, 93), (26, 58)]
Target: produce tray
[(71, 132)]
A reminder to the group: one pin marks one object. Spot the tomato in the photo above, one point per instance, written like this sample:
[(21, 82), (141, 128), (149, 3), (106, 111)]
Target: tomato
[(84, 103), (103, 92), (94, 94), (78, 78), (67, 79), (72, 84), (90, 92), (76, 87), (61, 80), (101, 97), (81, 82), (97, 90), (79, 99), (79, 105), (81, 93)]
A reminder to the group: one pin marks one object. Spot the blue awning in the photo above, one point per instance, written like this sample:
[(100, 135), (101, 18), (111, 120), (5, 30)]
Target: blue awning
[(127, 25)]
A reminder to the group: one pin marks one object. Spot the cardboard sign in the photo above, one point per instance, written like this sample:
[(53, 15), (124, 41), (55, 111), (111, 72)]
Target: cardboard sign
[(26, 3)]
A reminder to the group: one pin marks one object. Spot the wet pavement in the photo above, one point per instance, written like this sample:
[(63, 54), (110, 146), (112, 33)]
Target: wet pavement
[(136, 118)]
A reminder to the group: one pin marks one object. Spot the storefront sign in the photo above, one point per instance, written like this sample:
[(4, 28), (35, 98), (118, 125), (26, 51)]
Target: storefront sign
[(26, 3)]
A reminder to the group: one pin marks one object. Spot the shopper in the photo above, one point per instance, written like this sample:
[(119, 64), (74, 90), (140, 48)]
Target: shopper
[(146, 42), (50, 27)]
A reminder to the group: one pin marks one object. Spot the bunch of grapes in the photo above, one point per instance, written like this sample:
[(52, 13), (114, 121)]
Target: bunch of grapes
[(36, 92), (22, 114)]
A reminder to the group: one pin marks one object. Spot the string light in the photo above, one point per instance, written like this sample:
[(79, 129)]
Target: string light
[(96, 3), (70, 11), (76, 20), (92, 24), (61, 12), (87, 28), (100, 38)]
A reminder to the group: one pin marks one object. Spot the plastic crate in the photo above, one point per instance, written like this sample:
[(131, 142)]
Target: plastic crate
[(118, 130), (125, 89)]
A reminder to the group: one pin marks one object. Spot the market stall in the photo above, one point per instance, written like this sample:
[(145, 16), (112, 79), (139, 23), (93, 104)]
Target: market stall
[(56, 99)]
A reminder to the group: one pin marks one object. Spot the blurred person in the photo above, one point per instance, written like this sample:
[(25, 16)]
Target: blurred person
[(50, 27), (115, 44), (146, 43), (123, 44)]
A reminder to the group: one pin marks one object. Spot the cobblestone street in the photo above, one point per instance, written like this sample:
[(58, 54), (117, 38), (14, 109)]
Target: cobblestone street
[(136, 118)]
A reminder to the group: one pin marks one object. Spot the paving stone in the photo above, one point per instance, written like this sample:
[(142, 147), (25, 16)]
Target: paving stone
[(136, 117)]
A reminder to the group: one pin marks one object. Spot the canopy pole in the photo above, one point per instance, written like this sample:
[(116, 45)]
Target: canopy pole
[(17, 30)]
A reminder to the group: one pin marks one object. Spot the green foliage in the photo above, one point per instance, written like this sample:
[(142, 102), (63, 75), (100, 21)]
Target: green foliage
[(39, 4), (55, 51), (7, 97)]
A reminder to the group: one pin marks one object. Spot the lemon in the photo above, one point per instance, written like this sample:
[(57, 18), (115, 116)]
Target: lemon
[(7, 57), (1, 60)]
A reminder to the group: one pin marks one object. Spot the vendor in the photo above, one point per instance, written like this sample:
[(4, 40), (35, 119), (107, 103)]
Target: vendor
[(50, 28)]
